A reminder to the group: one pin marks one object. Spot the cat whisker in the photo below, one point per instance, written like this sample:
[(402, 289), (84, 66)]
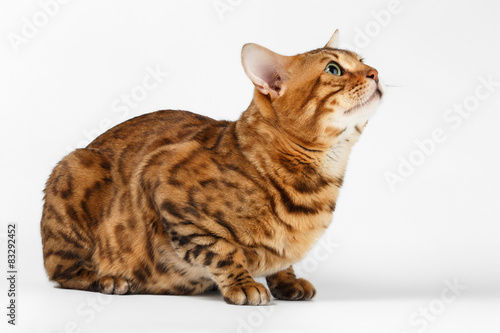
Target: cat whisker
[(360, 101), (396, 85)]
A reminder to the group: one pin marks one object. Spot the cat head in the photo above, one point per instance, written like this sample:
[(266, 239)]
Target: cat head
[(317, 96)]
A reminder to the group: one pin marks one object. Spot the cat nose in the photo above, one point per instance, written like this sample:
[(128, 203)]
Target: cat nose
[(373, 74)]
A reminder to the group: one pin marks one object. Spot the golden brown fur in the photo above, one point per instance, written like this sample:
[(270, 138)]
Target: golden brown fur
[(176, 203)]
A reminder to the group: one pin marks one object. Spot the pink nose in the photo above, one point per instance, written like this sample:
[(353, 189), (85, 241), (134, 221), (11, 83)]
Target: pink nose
[(373, 74)]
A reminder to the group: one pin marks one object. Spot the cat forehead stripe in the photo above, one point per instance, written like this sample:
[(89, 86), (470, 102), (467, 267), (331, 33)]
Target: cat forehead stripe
[(330, 51), (335, 52)]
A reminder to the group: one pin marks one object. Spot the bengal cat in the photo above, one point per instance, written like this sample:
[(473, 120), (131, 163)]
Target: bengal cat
[(172, 202)]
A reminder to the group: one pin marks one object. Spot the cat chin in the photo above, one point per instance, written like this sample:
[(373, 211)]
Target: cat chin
[(372, 101), (359, 115)]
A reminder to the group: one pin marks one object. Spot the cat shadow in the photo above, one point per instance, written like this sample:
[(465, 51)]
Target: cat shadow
[(210, 296), (369, 290), (349, 290), (330, 291)]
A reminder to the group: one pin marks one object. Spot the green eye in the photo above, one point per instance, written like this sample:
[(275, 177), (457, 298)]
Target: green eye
[(333, 68)]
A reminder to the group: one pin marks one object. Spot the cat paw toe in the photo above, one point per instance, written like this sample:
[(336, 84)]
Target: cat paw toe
[(122, 286), (252, 293), (113, 285)]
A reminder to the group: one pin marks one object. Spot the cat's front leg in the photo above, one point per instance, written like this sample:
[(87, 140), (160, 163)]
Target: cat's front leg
[(225, 262), (234, 280), (284, 285)]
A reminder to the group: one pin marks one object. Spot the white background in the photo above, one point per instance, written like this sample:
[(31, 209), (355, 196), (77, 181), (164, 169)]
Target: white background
[(389, 252)]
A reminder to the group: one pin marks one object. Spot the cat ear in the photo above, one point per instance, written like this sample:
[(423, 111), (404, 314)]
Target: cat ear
[(333, 43), (266, 69)]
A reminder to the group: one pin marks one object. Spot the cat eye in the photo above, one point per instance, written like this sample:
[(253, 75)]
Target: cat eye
[(333, 68)]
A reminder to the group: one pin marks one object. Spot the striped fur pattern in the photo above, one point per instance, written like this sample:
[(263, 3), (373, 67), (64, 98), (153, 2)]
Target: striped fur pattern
[(173, 202)]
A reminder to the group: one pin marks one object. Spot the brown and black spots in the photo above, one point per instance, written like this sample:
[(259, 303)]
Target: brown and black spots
[(74, 196), (172, 202)]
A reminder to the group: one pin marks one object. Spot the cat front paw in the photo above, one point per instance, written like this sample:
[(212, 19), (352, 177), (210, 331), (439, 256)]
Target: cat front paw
[(252, 293), (292, 290)]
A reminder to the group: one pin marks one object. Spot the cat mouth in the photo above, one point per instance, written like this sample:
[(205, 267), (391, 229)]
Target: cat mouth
[(377, 95)]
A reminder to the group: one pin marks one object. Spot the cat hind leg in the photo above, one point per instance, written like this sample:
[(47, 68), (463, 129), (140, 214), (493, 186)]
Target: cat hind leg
[(76, 197)]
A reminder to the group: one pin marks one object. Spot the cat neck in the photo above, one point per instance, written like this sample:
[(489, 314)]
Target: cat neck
[(265, 143), (263, 115)]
